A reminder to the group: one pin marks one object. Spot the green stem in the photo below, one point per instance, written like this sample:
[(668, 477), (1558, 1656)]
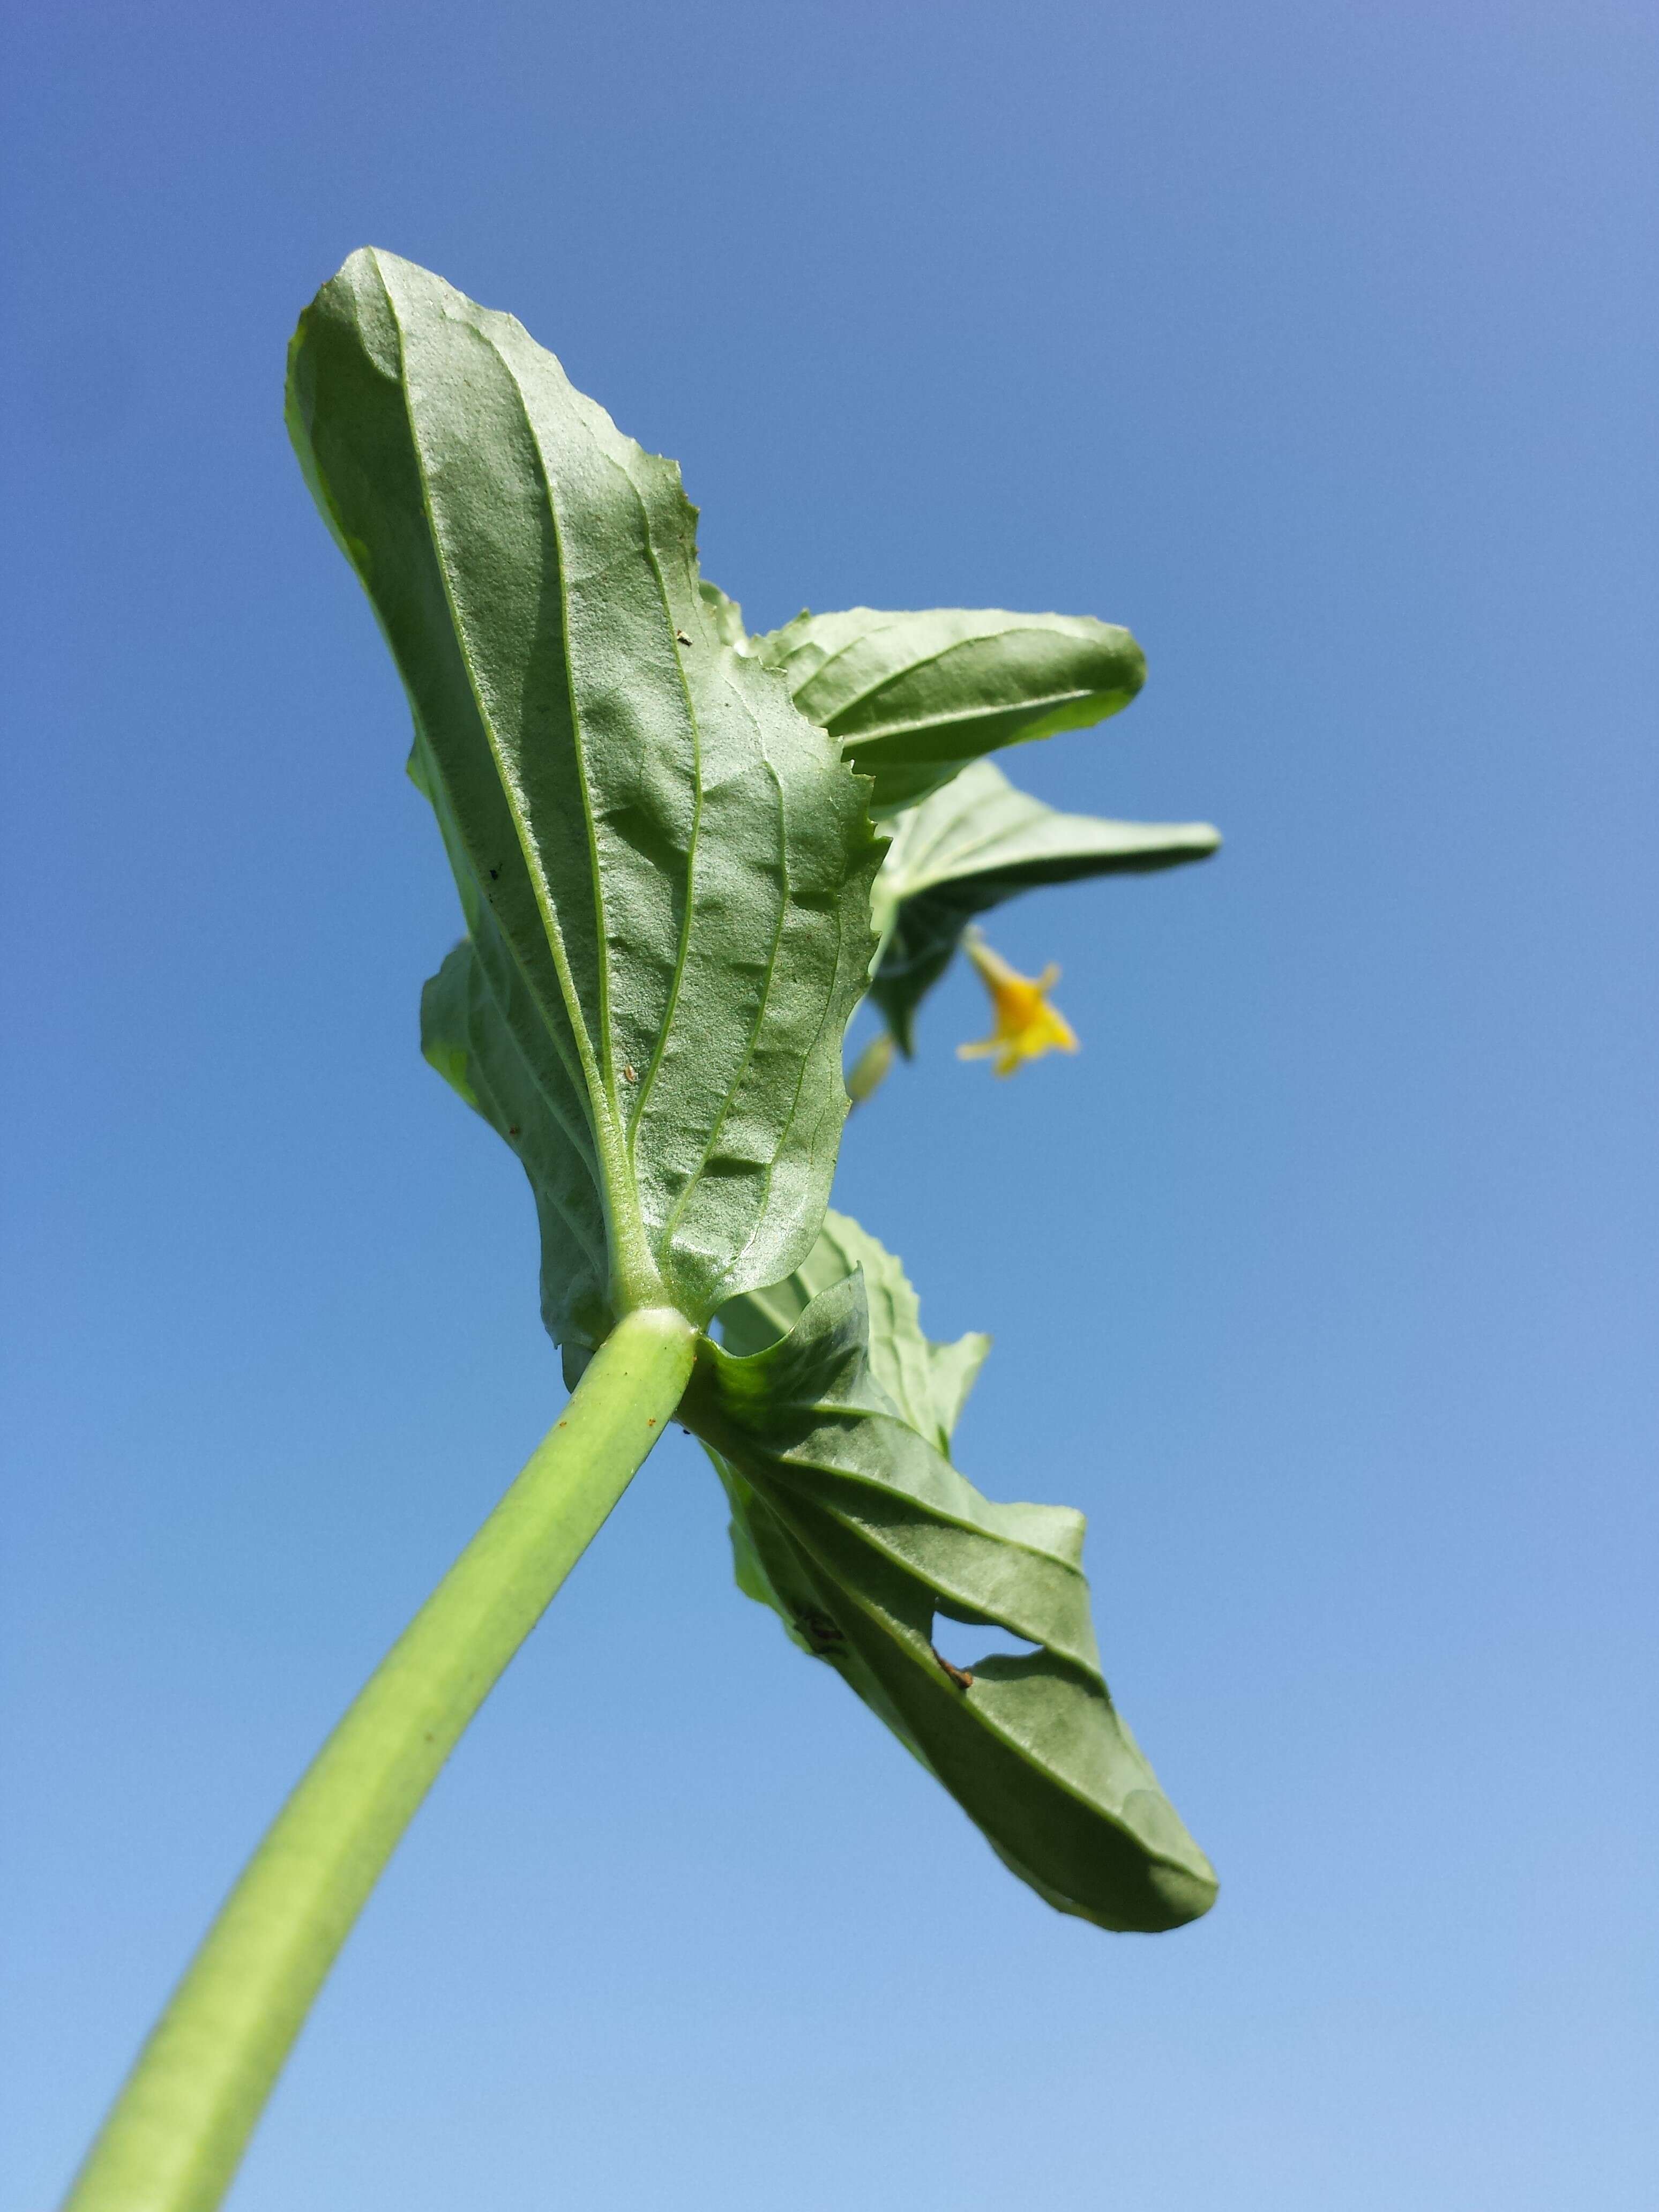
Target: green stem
[(176, 2133)]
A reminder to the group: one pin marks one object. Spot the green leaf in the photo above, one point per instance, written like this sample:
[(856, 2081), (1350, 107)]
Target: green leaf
[(663, 867), (978, 842), (726, 616), (464, 1037), (850, 1522), (928, 1383), (913, 697)]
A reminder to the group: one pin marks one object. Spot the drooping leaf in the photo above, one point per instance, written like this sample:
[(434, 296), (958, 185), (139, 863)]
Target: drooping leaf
[(663, 867), (915, 696), (850, 1522), (981, 842)]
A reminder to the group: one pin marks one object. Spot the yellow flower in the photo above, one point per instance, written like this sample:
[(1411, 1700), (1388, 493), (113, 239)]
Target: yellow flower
[(1027, 1026)]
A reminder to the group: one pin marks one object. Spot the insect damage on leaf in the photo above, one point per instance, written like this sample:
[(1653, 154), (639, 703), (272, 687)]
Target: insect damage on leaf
[(819, 1631), (831, 1433)]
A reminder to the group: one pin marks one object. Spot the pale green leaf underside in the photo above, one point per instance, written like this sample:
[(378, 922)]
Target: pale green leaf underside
[(664, 867), (928, 1383), (853, 1526), (974, 845), (466, 1038), (913, 697)]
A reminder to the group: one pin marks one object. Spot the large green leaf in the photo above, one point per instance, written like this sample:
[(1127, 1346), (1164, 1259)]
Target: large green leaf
[(664, 867), (978, 842), (915, 696), (850, 1522)]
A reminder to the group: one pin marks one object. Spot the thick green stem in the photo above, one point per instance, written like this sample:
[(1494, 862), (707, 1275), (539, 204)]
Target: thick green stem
[(176, 2133)]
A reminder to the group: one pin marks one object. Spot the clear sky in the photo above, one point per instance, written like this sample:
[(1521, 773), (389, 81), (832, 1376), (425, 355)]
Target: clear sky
[(1317, 343)]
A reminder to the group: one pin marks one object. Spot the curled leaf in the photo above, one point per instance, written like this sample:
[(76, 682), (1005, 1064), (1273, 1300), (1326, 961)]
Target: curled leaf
[(851, 1522), (928, 1383), (913, 697)]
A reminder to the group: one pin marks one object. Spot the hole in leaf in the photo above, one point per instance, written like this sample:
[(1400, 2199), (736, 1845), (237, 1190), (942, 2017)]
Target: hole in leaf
[(965, 1643)]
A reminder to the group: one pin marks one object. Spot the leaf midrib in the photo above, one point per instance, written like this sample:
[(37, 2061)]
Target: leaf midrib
[(526, 845), (1026, 704), (615, 1190), (632, 1259), (884, 682)]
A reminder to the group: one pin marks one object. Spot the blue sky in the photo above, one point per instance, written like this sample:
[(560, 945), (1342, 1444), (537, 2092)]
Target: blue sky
[(1318, 345)]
